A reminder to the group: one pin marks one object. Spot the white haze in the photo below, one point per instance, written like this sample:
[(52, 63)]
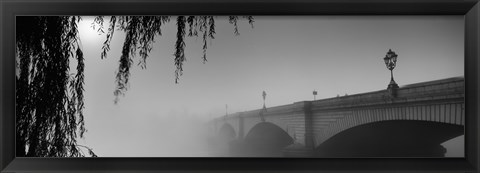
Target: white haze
[(158, 118)]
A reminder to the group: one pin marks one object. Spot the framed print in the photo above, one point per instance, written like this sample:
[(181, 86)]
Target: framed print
[(284, 86)]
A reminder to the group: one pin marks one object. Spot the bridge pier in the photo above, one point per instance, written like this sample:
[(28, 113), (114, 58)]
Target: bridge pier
[(305, 147), (241, 127), (306, 135)]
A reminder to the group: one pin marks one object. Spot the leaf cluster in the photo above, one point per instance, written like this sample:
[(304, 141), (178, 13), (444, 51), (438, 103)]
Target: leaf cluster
[(49, 100), (141, 32)]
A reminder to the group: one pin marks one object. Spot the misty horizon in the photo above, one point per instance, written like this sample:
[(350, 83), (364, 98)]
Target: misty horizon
[(288, 57)]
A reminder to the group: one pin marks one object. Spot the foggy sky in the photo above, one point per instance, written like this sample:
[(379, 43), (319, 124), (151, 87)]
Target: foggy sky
[(288, 57)]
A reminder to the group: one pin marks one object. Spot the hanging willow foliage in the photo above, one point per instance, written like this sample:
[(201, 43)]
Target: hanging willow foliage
[(49, 100), (141, 32)]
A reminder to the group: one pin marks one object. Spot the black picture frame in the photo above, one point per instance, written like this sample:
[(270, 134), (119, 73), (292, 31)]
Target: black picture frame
[(10, 8)]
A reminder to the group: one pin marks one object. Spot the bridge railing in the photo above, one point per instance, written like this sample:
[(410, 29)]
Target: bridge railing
[(425, 91)]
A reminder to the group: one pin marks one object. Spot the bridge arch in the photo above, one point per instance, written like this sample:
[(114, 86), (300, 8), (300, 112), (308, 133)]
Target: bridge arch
[(227, 132), (394, 138), (265, 139), (220, 141), (452, 112)]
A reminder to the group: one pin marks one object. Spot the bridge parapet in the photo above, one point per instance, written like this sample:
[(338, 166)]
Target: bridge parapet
[(284, 109), (427, 91), (433, 90)]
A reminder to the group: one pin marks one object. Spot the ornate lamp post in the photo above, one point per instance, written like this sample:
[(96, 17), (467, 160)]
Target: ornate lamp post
[(264, 94), (391, 61), (314, 95), (226, 112), (264, 109)]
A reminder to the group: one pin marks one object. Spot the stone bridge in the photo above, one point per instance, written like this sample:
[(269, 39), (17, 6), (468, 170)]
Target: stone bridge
[(412, 122)]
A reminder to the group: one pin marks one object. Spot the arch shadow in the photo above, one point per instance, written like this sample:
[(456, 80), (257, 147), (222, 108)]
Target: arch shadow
[(227, 132), (263, 140), (218, 146), (394, 138)]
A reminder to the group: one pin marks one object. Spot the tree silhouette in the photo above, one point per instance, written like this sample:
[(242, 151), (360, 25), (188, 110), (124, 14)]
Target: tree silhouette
[(141, 32), (49, 98)]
